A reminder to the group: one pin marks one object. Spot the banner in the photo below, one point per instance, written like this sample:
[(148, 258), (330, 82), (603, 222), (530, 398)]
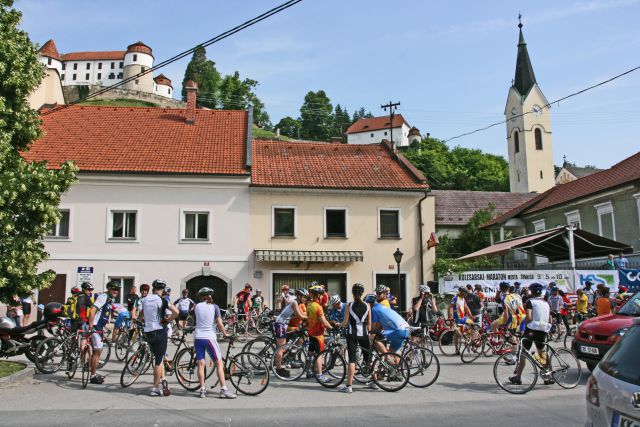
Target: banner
[(490, 280), (630, 279), (609, 278)]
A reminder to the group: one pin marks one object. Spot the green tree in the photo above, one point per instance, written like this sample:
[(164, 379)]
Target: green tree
[(361, 113), (316, 116), (238, 94), (341, 120), (289, 127), (29, 192), (203, 71)]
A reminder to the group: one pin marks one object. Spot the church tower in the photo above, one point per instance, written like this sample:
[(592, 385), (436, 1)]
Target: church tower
[(528, 129)]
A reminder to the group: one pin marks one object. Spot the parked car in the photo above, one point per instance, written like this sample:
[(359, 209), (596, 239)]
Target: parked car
[(596, 336), (613, 390)]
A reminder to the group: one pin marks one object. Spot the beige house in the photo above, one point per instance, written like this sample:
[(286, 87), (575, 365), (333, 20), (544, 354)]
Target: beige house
[(336, 214)]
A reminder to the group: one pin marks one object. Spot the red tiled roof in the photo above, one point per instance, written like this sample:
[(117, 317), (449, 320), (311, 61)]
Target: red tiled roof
[(124, 139), (326, 165), (162, 80), (625, 172), (50, 50), (94, 56), (454, 207), (376, 123), (139, 47)]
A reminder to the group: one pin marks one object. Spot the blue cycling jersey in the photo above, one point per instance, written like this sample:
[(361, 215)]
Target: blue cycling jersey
[(388, 318), (337, 315)]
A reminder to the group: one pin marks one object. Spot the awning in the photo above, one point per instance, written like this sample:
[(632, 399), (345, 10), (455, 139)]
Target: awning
[(267, 255), (554, 244)]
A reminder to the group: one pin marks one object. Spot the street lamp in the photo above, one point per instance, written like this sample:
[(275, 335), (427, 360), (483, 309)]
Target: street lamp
[(397, 255)]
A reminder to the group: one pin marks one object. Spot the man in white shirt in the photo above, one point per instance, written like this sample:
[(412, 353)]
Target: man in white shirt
[(185, 306), (154, 308), (207, 318), (99, 315)]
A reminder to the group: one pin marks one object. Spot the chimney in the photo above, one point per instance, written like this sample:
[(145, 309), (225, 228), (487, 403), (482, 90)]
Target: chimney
[(191, 88)]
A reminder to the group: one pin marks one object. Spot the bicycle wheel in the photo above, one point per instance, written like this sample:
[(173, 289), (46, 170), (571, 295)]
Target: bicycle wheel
[(568, 337), (390, 371), (263, 347), (363, 372), (494, 342), (426, 342), (50, 355), (334, 368), (138, 362), (105, 354), (564, 367), (248, 373), (472, 350), (186, 368), (424, 366), (447, 343), (176, 335), (72, 361), (121, 345), (504, 371), (294, 362), (85, 360)]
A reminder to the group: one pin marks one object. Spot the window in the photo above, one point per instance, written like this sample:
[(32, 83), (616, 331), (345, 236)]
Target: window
[(75, 66), (540, 174), (516, 141), (538, 134), (196, 226), (61, 229), (126, 283), (621, 362), (99, 76), (64, 66), (335, 222), (573, 218), (518, 176), (371, 135), (135, 57), (120, 65), (385, 133), (137, 81), (62, 77), (284, 224), (99, 65), (88, 65), (119, 75), (123, 224), (113, 65), (74, 77), (539, 225), (389, 223), (169, 91), (86, 76), (637, 197), (48, 61), (143, 69), (606, 220)]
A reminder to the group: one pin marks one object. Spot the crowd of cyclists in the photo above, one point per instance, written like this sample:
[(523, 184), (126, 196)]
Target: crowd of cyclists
[(368, 323)]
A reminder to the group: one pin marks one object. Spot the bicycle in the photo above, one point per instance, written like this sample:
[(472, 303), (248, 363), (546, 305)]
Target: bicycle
[(560, 365), (52, 352), (451, 341), (295, 357), (389, 370), (421, 335), (85, 355), (334, 367), (487, 343), (424, 366)]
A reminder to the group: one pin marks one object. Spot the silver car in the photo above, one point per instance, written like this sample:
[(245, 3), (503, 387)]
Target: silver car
[(613, 390)]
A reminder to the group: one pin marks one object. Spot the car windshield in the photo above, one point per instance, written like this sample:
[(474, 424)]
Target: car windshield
[(632, 307), (621, 361)]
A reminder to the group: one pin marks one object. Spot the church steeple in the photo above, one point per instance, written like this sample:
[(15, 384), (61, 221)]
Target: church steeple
[(524, 78)]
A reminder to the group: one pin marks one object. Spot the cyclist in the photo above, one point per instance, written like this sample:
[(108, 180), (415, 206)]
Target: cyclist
[(284, 297), (131, 299), (99, 316), (538, 315), (316, 327), (461, 314), (185, 306), (423, 306), (144, 291), (208, 317), (84, 304), (280, 326), (589, 292), (242, 299), (474, 304), (122, 317), (381, 296), (389, 324), (257, 301), (295, 322), (479, 293), (582, 304), (337, 311), (154, 309), (513, 313), (557, 305), (358, 318)]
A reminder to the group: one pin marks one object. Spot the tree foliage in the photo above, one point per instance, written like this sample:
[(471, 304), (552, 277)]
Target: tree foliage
[(472, 237), (316, 116), (289, 127), (459, 168), (29, 191), (204, 72)]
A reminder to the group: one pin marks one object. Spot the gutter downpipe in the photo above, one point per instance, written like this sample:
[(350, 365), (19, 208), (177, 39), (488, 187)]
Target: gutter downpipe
[(420, 225), (572, 251)]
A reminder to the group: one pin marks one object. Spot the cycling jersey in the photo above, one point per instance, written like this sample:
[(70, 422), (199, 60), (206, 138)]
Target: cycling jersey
[(206, 318), (257, 302), (296, 320), (104, 306), (555, 302), (385, 302), (389, 319), (184, 304), (131, 300), (458, 307), (243, 298), (315, 315), (581, 304), (153, 307), (513, 304), (358, 319), (422, 315), (539, 315), (337, 314), (286, 313), (83, 304)]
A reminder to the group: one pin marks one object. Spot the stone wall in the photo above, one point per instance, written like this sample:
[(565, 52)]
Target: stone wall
[(72, 93)]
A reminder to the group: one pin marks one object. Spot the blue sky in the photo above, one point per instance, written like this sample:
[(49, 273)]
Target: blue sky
[(449, 63)]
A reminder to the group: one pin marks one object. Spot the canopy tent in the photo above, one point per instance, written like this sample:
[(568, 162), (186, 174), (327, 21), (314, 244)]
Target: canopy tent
[(558, 244)]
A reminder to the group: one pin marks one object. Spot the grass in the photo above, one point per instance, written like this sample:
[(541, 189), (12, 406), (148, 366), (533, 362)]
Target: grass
[(265, 134), (120, 102), (10, 368)]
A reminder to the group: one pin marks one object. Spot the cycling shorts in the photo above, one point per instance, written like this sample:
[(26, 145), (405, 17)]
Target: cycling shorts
[(352, 348), (280, 330), (316, 344), (96, 341), (396, 338), (209, 345), (531, 336), (122, 317), (466, 320), (158, 344), (183, 314)]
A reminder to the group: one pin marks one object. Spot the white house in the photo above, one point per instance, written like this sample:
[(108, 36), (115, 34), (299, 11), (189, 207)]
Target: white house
[(375, 129)]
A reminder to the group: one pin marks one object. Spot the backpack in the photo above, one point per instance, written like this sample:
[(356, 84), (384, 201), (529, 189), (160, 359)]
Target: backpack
[(70, 309)]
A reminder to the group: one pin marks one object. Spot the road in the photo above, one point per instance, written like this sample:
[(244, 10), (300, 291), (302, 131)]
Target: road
[(463, 395)]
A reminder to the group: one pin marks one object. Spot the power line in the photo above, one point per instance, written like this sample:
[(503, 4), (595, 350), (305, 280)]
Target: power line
[(557, 101), (186, 53)]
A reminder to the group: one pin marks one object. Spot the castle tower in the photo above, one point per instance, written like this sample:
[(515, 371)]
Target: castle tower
[(528, 129), (138, 58), (50, 57), (163, 86), (414, 135)]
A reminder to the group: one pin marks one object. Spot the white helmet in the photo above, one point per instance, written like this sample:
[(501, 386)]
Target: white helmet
[(424, 288), (335, 299)]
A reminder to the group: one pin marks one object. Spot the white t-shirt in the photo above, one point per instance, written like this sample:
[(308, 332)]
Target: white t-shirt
[(286, 313), (206, 317), (184, 304), (152, 309), (539, 315)]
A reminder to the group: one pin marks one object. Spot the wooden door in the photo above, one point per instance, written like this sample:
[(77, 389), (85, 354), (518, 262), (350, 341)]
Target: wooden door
[(55, 292)]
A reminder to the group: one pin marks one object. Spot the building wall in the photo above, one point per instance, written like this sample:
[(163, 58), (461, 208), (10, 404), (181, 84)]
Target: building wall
[(362, 228), (163, 90), (97, 76), (564, 176), (159, 251), (452, 231), (72, 93), (48, 92), (400, 135)]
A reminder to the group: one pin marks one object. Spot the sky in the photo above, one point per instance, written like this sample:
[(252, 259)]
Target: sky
[(449, 64)]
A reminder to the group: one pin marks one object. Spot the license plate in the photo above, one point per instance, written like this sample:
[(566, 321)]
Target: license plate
[(589, 350), (620, 420)]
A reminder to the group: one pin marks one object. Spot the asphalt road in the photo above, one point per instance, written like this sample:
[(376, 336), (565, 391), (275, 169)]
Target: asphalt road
[(464, 395)]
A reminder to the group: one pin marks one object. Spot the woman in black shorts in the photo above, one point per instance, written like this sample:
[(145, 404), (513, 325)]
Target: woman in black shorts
[(26, 309), (358, 318)]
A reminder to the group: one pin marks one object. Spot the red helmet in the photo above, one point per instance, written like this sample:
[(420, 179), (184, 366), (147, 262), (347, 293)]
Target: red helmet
[(75, 290), (622, 289), (144, 287)]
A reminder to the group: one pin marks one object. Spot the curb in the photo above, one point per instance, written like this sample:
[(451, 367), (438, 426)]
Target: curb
[(26, 373)]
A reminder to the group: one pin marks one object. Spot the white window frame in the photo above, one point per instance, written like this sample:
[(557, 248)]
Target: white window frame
[(346, 221), (603, 209), (539, 225), (399, 210), (63, 238), (116, 209), (573, 217), (273, 221), (183, 224)]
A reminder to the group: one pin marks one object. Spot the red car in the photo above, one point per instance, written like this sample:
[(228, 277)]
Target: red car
[(597, 335)]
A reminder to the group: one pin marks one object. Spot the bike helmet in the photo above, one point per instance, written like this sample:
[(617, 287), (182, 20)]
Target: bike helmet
[(381, 289), (258, 290), (111, 284), (144, 287), (462, 289), (357, 289), (168, 289), (75, 290), (517, 284), (7, 323), (52, 311), (552, 284), (623, 289), (424, 288), (248, 286), (317, 290), (86, 285), (205, 291), (512, 289), (335, 299), (303, 292), (504, 286), (159, 284), (536, 289), (369, 299)]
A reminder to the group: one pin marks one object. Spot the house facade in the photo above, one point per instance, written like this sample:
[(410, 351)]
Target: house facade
[(375, 129)]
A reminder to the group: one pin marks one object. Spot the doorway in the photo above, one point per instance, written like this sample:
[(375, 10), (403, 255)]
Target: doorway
[(218, 285), (336, 284), (55, 292), (391, 280)]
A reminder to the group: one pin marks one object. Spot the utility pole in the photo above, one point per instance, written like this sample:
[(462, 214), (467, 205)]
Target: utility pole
[(392, 106)]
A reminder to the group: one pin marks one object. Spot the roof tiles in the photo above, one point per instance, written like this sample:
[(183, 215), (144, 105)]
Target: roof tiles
[(94, 56), (375, 123)]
